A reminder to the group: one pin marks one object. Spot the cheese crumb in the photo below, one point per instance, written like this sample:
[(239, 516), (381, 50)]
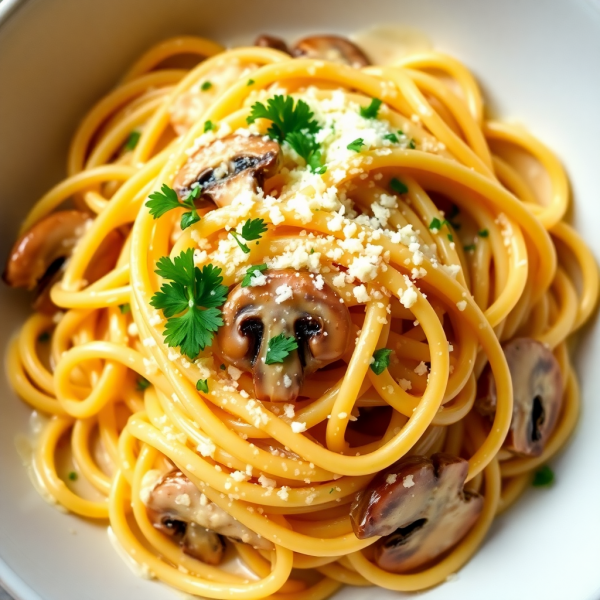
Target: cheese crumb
[(284, 292), (461, 305), (391, 478), (298, 427), (408, 482)]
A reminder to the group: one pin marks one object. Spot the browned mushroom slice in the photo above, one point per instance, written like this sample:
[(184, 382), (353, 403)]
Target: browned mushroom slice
[(270, 41), (420, 507), (177, 508), (229, 166), (332, 48), (37, 258), (290, 303), (537, 395)]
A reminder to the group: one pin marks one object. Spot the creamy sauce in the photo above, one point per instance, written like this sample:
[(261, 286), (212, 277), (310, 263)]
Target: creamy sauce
[(385, 45)]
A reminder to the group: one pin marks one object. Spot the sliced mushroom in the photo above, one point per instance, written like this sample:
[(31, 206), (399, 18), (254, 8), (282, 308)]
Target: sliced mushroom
[(289, 303), (333, 48), (270, 41), (37, 257), (229, 166), (177, 508), (537, 395), (420, 508)]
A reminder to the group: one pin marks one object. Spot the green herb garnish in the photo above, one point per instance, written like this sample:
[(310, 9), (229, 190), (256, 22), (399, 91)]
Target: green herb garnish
[(469, 248), (279, 347), (392, 137), (208, 126), (435, 224), (190, 302), (252, 230), (381, 360), (251, 82), (370, 112), (356, 145), (125, 308), (206, 86), (251, 271), (202, 385), (73, 476), (132, 140), (483, 233), (167, 199), (142, 384), (450, 237), (222, 367), (397, 186), (543, 477)]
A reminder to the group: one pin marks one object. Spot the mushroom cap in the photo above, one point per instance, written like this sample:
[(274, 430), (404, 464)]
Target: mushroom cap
[(537, 395), (253, 315), (420, 508), (270, 41), (333, 48), (228, 166), (177, 508)]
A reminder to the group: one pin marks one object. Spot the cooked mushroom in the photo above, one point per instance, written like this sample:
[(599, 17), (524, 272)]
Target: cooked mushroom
[(229, 166), (292, 303), (270, 41), (332, 48), (420, 508), (537, 395), (38, 255), (177, 508)]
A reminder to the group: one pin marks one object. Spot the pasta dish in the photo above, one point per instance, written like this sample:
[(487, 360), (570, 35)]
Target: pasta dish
[(300, 320)]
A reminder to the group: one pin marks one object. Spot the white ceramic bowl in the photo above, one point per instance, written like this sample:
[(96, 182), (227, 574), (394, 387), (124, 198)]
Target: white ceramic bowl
[(538, 62)]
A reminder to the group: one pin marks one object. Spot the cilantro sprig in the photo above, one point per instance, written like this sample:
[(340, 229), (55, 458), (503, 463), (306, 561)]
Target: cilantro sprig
[(279, 348), (294, 124), (189, 302), (370, 112), (165, 200), (381, 360), (251, 271), (252, 230)]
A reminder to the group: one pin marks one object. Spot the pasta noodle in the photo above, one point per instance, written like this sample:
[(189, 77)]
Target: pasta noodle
[(420, 217)]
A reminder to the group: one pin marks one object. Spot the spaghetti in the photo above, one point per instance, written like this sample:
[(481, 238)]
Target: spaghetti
[(403, 203)]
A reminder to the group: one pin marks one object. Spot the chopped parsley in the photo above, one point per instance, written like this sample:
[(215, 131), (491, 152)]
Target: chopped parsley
[(206, 86), (252, 230), (279, 347), (469, 248), (356, 145), (222, 367), (312, 251), (165, 200), (202, 385), (398, 186), (132, 140), (43, 337), (208, 126), (251, 271), (412, 144), (73, 476), (435, 224), (190, 302), (294, 124), (251, 82), (125, 308), (483, 233), (332, 490), (142, 384), (543, 477), (370, 112), (450, 237), (381, 360), (392, 137)]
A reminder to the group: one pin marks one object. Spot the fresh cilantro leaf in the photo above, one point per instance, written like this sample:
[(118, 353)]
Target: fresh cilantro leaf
[(398, 187), (251, 271), (73, 476), (132, 140), (252, 230), (163, 201), (381, 360), (250, 82), (286, 117), (469, 248), (43, 337), (392, 137), (142, 384), (189, 302), (450, 237), (202, 385), (167, 199), (543, 477), (435, 224), (483, 233), (279, 347), (370, 112), (208, 126), (356, 145), (125, 308), (206, 86)]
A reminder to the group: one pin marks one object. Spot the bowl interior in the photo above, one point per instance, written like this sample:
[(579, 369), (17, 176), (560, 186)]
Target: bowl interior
[(536, 64)]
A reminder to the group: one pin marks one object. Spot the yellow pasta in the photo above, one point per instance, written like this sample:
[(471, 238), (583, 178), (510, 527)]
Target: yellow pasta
[(440, 249)]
